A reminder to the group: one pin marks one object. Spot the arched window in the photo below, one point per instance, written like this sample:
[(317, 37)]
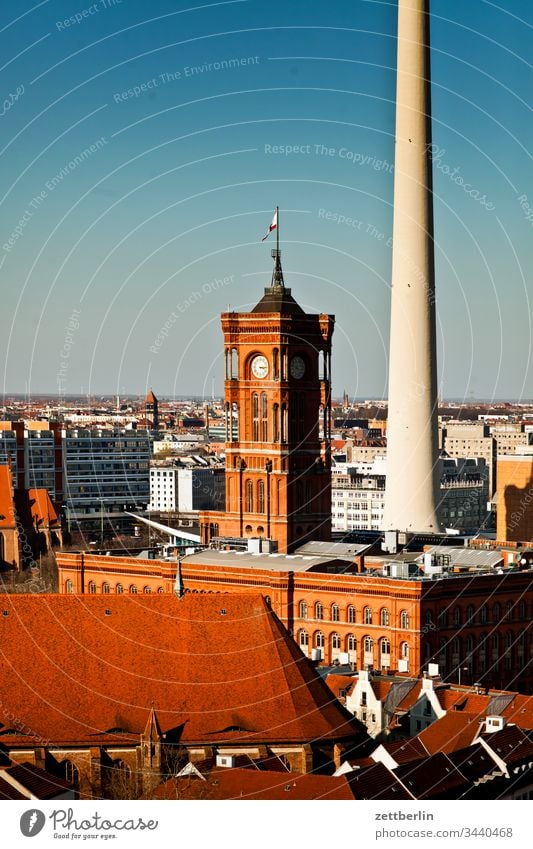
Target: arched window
[(367, 615), (234, 364), (404, 620), (456, 649), (470, 644), (249, 497), (470, 614), (71, 772), (350, 614), (319, 610), (319, 640), (429, 618), (334, 612), (509, 611), (456, 616), (119, 589), (384, 650), (483, 614), (264, 417), (522, 610), (235, 422), (496, 613), (92, 587), (120, 766), (284, 423), (303, 639), (105, 587), (255, 417), (261, 497), (335, 642), (303, 610), (275, 423), (482, 653), (384, 616), (404, 651), (69, 586), (368, 644), (351, 643), (133, 589), (443, 619), (275, 364), (160, 590), (147, 590)]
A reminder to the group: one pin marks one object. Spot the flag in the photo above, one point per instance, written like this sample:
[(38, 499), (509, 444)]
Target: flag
[(273, 226)]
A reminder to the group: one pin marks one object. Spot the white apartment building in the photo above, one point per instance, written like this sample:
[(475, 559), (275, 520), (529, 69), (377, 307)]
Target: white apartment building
[(174, 489), (358, 494)]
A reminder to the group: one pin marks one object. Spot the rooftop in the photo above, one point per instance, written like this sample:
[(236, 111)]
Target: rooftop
[(216, 667)]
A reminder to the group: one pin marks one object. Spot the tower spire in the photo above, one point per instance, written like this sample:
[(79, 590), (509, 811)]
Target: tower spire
[(278, 282)]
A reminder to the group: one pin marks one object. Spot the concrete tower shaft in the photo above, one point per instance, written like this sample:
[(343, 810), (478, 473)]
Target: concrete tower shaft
[(412, 433)]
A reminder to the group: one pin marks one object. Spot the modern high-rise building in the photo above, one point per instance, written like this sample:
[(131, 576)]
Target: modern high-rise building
[(413, 466), (277, 387), (106, 473)]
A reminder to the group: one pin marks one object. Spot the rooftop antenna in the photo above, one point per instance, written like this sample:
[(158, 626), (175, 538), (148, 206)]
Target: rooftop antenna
[(277, 275)]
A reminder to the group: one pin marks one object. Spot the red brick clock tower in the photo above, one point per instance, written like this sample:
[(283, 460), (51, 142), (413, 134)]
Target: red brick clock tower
[(276, 391)]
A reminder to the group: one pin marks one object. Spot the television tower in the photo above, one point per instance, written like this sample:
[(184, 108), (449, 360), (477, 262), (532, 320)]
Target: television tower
[(413, 468)]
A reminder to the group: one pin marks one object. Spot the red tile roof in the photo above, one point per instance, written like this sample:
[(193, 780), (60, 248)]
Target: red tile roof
[(336, 683), (38, 782), (381, 688), (404, 751), (411, 698), (216, 667), (377, 782), (247, 784), (453, 731), (7, 509), (520, 711), (36, 509)]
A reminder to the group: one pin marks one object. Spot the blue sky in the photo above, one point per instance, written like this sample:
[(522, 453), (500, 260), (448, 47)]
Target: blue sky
[(145, 145)]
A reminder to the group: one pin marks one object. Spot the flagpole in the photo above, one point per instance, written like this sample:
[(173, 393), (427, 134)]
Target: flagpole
[(277, 229)]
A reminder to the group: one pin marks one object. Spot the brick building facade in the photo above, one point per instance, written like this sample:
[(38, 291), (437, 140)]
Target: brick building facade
[(479, 623)]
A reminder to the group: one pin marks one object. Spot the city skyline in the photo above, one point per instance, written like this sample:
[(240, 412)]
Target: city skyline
[(136, 200)]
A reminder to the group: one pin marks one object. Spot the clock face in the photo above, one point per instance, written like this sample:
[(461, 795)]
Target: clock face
[(297, 368), (260, 367)]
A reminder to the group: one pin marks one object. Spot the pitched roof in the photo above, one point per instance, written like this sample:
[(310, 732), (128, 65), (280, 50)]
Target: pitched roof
[(7, 510), (511, 744), (520, 711), (453, 731), (474, 762), (35, 508), (38, 782), (249, 784), (150, 398), (7, 791), (405, 751), (217, 667), (435, 777), (279, 300), (377, 782), (403, 696), (337, 683)]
